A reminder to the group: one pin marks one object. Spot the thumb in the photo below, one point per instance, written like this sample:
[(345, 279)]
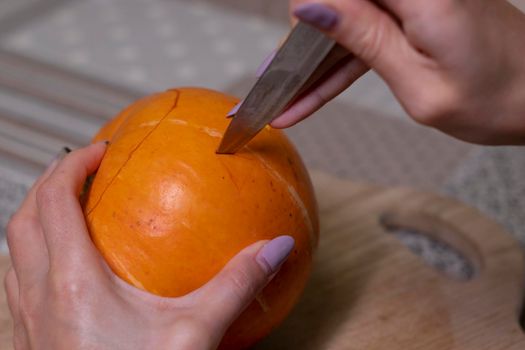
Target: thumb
[(367, 31), (224, 297)]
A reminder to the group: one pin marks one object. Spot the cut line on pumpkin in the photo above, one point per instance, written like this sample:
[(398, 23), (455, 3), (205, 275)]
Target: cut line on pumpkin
[(230, 175), (291, 191), (178, 122), (150, 123), (212, 132), (175, 102), (209, 131)]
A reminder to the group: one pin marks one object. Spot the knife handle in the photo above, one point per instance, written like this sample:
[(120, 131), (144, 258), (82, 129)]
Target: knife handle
[(334, 57)]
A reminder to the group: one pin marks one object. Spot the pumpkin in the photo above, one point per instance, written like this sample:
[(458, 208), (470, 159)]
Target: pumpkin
[(167, 212)]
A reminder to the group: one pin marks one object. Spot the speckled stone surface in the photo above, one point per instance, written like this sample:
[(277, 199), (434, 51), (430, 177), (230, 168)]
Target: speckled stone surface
[(493, 180)]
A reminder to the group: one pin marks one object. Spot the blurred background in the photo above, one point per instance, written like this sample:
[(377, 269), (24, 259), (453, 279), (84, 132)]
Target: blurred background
[(67, 66)]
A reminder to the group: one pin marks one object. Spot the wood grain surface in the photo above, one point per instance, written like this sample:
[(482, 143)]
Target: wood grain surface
[(368, 291)]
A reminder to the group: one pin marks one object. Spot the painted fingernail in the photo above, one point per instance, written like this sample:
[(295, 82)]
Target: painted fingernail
[(318, 15), (274, 253), (265, 63), (234, 110)]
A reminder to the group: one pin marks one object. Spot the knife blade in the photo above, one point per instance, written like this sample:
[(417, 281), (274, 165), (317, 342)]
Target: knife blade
[(306, 56)]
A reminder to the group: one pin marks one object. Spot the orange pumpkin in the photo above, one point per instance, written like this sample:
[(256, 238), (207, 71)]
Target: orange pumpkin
[(167, 212)]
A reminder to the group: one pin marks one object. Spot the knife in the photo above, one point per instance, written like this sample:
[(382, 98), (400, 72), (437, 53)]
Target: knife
[(304, 58)]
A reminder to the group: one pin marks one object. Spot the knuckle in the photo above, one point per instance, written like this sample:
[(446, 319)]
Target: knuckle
[(320, 98), (369, 40), (246, 282), (14, 227), (18, 227), (242, 283), (68, 289), (49, 193)]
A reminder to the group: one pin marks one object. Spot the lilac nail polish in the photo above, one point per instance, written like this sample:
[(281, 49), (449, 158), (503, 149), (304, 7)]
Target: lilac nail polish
[(234, 110), (275, 252), (265, 63), (318, 15)]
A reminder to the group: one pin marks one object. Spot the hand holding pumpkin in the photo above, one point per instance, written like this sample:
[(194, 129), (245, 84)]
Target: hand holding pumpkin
[(63, 296), (454, 65)]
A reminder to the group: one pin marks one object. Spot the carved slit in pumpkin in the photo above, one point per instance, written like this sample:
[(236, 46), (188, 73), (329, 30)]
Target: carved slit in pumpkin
[(175, 102)]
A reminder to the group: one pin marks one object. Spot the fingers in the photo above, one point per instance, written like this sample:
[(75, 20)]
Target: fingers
[(331, 86), (234, 288), (67, 238), (367, 31), (24, 236)]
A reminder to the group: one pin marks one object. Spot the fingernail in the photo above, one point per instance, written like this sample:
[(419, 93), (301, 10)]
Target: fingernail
[(265, 63), (54, 162), (234, 110), (318, 15), (274, 253), (65, 150)]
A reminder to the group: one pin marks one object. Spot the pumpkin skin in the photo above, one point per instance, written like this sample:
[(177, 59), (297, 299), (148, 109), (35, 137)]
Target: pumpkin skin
[(167, 213)]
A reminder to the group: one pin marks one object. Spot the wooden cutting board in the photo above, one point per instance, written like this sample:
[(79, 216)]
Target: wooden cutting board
[(368, 291)]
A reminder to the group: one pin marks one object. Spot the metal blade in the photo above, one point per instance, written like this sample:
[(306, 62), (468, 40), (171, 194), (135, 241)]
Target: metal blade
[(294, 64)]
